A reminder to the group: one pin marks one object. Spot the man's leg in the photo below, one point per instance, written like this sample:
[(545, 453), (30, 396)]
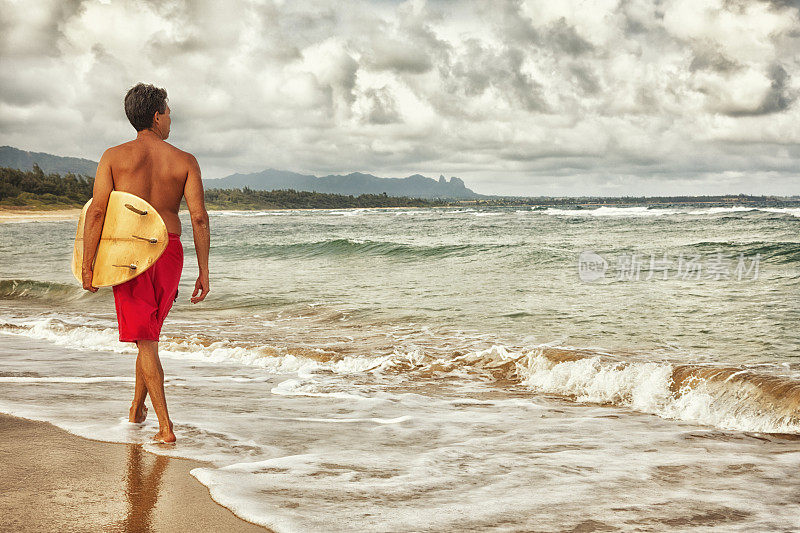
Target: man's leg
[(153, 375), (138, 408)]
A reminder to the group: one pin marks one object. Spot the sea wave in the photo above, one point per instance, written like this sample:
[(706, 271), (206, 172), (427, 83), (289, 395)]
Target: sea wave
[(727, 397), (353, 247), (644, 211), (24, 289), (780, 252), (603, 211), (794, 212)]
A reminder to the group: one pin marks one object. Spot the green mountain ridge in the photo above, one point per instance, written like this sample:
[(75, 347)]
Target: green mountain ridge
[(11, 157), (416, 186), (355, 183)]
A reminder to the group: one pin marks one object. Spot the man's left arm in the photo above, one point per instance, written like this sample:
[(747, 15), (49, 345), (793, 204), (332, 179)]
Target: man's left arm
[(95, 216)]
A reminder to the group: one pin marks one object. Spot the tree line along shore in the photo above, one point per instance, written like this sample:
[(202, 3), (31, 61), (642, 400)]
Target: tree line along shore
[(33, 189)]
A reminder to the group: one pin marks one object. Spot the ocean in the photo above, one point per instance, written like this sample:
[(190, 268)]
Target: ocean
[(449, 369)]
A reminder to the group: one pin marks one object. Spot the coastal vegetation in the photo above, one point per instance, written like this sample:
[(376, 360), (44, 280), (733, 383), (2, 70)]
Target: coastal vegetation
[(247, 198), (35, 189)]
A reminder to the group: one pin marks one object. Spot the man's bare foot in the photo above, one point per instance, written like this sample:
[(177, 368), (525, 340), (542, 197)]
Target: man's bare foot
[(137, 416), (165, 434)]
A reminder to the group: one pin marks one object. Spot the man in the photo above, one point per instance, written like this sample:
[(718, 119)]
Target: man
[(158, 172)]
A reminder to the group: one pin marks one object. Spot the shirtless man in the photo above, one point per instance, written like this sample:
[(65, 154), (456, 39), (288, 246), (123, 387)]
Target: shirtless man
[(158, 172)]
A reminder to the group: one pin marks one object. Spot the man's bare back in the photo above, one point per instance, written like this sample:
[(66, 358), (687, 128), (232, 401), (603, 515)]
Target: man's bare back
[(154, 170)]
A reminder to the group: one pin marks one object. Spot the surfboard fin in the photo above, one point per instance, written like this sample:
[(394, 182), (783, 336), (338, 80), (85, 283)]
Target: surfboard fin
[(137, 211), (151, 240)]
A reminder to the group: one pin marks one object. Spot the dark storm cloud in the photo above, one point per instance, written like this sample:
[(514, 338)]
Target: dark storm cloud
[(42, 29), (517, 27), (383, 108), (565, 37), (778, 5), (706, 58), (397, 56), (514, 96), (481, 68), (585, 78), (778, 98), (513, 22)]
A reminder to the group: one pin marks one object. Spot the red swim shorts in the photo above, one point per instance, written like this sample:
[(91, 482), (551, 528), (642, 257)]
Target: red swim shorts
[(144, 301)]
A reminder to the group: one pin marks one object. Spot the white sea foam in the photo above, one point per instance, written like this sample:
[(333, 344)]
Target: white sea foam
[(642, 386), (60, 333), (782, 210), (294, 387), (604, 211), (270, 358), (347, 213), (247, 213), (717, 210), (382, 421), (642, 211), (94, 379)]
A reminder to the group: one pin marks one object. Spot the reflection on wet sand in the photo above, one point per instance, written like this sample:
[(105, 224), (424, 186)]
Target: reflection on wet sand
[(51, 480), (141, 490)]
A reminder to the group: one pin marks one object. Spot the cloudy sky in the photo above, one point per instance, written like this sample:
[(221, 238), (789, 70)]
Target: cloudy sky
[(530, 97)]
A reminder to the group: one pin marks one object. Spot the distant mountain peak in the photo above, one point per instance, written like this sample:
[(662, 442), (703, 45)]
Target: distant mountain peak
[(355, 183)]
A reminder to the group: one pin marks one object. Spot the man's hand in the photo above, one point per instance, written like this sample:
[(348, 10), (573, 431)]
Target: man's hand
[(87, 274), (201, 286)]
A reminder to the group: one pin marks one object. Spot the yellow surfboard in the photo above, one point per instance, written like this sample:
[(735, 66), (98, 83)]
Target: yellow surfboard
[(134, 237)]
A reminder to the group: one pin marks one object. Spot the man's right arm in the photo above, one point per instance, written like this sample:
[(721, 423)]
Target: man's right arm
[(195, 201)]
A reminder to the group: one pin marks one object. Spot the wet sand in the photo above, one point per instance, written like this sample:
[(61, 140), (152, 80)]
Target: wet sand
[(51, 480)]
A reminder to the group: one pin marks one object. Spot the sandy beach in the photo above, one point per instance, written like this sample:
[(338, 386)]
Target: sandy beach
[(52, 480), (25, 215)]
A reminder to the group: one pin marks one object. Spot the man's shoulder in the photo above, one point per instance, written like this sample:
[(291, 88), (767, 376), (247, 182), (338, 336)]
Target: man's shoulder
[(118, 148), (115, 152), (184, 155)]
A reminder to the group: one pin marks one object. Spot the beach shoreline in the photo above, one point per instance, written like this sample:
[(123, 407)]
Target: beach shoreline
[(31, 215), (53, 480)]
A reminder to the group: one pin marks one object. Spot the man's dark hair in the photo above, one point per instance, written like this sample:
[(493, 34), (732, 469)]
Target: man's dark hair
[(142, 102)]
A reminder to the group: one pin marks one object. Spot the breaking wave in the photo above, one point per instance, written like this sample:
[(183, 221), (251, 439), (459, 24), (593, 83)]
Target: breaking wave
[(727, 397), (643, 211), (781, 252), (23, 289), (352, 247)]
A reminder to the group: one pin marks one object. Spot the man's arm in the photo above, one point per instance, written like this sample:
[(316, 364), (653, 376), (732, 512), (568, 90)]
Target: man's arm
[(195, 201), (95, 216)]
